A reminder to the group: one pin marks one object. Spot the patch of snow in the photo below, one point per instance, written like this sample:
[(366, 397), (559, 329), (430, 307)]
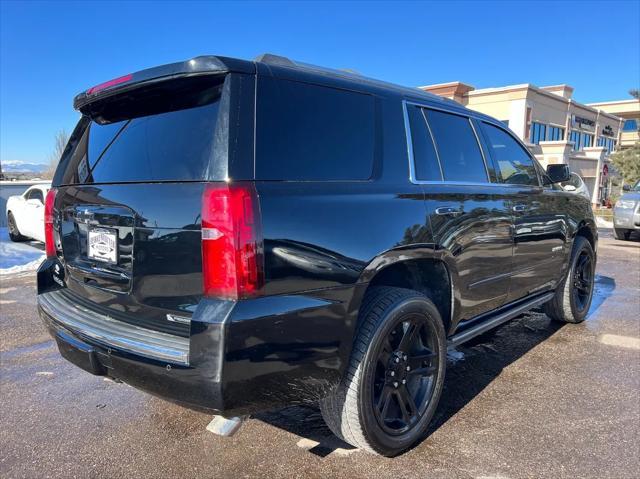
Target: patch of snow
[(17, 257), (602, 223)]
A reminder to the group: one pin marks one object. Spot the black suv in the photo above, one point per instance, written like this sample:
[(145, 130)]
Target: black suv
[(238, 236)]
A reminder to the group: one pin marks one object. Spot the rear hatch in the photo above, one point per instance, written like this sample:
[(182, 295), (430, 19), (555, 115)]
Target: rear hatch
[(129, 196)]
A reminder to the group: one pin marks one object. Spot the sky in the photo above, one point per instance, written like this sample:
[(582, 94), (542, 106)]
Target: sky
[(51, 51)]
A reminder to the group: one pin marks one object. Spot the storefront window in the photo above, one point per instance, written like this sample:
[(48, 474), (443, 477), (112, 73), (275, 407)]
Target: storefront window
[(630, 125), (575, 138), (538, 133), (587, 140), (608, 143), (556, 133)]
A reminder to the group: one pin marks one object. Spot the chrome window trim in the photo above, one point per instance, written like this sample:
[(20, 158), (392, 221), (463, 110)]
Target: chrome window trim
[(411, 158)]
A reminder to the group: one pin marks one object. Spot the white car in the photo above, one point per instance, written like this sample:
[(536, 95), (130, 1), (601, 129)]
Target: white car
[(25, 213)]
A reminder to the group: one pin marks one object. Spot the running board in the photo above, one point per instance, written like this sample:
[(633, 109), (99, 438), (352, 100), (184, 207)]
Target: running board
[(491, 323)]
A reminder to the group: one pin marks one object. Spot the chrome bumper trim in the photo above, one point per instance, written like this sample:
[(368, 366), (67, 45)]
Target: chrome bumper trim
[(112, 333)]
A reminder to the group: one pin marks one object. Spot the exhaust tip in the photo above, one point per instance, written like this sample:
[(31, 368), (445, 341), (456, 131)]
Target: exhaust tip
[(225, 427)]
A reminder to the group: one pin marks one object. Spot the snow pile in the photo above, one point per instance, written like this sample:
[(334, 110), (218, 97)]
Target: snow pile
[(17, 257), (602, 223)]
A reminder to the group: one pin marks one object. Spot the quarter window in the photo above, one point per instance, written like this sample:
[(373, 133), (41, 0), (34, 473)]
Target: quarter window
[(514, 164), (457, 147), (311, 132), (425, 159)]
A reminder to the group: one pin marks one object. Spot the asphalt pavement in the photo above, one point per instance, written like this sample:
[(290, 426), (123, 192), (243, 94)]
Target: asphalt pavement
[(531, 399)]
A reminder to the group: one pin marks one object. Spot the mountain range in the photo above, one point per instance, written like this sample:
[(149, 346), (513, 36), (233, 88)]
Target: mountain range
[(22, 167)]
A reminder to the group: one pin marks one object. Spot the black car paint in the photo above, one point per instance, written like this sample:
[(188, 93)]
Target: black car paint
[(324, 243)]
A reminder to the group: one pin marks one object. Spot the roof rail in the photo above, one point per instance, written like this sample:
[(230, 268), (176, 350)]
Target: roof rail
[(272, 59)]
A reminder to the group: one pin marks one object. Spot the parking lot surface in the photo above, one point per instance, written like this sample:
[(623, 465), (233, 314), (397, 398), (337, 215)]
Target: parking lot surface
[(532, 399)]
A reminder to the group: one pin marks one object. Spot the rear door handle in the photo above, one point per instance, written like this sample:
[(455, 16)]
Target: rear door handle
[(519, 208), (448, 210)]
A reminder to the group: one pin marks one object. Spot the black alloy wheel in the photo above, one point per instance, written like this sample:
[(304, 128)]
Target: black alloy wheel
[(583, 281), (404, 376)]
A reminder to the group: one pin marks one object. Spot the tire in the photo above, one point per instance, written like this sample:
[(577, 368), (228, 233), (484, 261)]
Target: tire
[(574, 294), (621, 234), (14, 233), (389, 319)]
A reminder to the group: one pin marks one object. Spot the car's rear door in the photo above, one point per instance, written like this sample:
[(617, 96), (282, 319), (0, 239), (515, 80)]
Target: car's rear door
[(468, 212)]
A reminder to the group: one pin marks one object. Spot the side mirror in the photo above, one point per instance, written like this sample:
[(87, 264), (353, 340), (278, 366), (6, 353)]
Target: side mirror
[(626, 188), (558, 173), (569, 188)]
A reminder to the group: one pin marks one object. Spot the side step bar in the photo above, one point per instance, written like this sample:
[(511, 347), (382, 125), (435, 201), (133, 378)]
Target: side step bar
[(494, 321)]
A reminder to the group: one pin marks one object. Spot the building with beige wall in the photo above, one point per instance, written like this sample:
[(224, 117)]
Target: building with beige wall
[(629, 111), (556, 128)]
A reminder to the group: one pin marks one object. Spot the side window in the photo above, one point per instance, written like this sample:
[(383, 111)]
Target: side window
[(514, 164), (425, 159), (457, 147), (36, 194), (311, 132)]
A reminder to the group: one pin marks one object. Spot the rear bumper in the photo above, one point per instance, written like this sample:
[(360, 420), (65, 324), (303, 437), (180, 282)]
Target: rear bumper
[(240, 357)]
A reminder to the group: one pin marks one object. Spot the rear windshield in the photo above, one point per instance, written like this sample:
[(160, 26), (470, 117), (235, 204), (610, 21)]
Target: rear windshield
[(172, 145)]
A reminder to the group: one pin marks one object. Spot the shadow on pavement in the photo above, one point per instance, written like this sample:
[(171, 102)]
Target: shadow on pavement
[(470, 369)]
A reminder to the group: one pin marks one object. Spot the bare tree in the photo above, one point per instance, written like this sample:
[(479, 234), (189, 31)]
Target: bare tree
[(61, 139)]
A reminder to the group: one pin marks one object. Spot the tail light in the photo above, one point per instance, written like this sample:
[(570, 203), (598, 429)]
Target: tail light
[(232, 245), (49, 239)]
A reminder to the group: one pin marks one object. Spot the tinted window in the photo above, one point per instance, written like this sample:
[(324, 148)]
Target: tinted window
[(36, 194), (169, 146), (426, 166), (514, 165), (457, 146), (309, 132), (162, 134), (99, 138)]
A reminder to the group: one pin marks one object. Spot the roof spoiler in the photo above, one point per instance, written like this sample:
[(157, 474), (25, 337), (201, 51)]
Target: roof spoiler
[(203, 65)]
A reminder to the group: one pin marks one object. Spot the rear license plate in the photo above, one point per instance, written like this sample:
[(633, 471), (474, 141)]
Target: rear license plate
[(102, 245)]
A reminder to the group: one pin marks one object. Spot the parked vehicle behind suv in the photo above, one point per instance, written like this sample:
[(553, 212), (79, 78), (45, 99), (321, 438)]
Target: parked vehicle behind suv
[(626, 213), (25, 218), (237, 236)]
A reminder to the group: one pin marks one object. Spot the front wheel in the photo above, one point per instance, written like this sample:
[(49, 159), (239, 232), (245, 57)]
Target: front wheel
[(396, 373), (573, 296)]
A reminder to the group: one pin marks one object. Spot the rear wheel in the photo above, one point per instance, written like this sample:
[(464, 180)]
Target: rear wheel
[(573, 297), (394, 380), (621, 234), (14, 233)]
